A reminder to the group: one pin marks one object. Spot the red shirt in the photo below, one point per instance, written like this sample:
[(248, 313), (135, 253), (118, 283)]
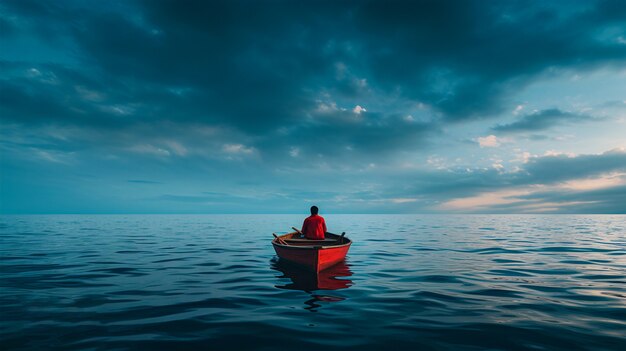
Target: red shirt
[(314, 227)]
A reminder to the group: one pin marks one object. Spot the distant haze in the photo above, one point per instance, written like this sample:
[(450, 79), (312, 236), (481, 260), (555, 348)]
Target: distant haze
[(271, 107)]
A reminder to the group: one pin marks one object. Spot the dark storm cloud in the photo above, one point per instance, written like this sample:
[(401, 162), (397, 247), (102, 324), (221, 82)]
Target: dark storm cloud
[(425, 190), (190, 88), (262, 71), (541, 120), (463, 57), (607, 200), (250, 72), (46, 94), (550, 169), (349, 136), (442, 186), (603, 200)]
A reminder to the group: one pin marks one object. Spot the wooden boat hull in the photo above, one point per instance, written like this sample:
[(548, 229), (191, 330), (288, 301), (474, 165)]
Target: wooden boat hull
[(312, 255)]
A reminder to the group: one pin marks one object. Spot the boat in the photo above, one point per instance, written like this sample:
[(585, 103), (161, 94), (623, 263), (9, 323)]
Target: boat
[(313, 255)]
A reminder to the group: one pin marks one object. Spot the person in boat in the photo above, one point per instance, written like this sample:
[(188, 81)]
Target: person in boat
[(314, 226)]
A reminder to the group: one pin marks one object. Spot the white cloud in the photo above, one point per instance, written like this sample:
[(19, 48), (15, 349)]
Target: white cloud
[(33, 72), (89, 95), (294, 152), (361, 83), (323, 107), (149, 150), (237, 149), (180, 91), (488, 141), (54, 156), (437, 162), (525, 156), (358, 109), (518, 109), (44, 77), (340, 70), (177, 148), (484, 200), (559, 153), (603, 181), (402, 200), (121, 110)]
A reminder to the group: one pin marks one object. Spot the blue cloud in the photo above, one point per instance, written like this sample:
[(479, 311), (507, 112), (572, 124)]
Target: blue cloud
[(214, 100), (542, 120)]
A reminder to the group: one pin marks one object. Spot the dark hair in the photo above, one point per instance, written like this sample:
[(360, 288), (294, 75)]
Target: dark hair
[(314, 210)]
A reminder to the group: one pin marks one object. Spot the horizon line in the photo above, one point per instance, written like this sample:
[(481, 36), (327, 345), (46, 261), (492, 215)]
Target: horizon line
[(276, 213)]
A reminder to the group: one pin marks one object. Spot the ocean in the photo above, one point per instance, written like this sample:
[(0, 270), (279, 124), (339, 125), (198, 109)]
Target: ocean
[(212, 282)]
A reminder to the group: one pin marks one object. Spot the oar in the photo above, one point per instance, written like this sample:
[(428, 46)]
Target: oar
[(341, 237), (280, 240), (297, 230)]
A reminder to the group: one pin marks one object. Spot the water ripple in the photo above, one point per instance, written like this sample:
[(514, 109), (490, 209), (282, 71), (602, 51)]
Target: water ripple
[(410, 282)]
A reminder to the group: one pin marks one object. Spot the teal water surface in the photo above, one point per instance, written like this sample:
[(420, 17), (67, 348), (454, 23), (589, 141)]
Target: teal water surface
[(440, 282)]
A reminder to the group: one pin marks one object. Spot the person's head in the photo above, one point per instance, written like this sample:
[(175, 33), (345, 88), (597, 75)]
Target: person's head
[(314, 210)]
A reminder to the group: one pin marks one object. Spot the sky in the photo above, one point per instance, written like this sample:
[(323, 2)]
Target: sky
[(274, 106)]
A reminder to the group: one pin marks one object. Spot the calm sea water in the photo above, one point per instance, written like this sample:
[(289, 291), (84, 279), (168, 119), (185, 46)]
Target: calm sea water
[(410, 282)]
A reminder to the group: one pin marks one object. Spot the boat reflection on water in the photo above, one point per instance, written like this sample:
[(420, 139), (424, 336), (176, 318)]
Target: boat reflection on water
[(308, 281), (332, 278)]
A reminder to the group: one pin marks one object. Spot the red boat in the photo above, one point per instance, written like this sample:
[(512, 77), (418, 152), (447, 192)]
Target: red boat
[(314, 255)]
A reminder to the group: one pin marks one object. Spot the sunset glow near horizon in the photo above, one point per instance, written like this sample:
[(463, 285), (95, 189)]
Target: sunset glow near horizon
[(271, 107)]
